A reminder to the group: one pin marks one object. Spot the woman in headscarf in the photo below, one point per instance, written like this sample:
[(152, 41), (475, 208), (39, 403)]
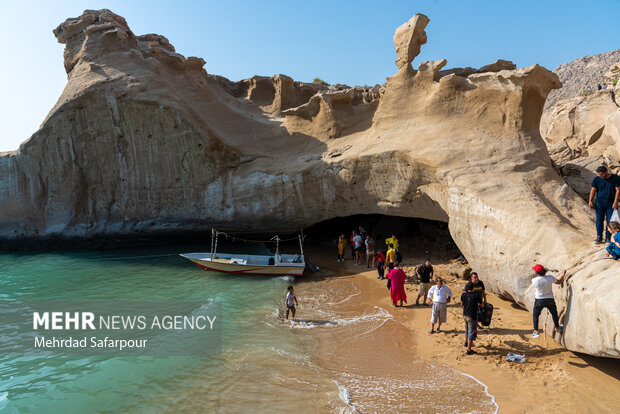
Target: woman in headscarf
[(397, 278)]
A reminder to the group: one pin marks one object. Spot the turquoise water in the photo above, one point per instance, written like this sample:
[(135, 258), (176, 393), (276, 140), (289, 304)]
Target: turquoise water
[(324, 362), (63, 384)]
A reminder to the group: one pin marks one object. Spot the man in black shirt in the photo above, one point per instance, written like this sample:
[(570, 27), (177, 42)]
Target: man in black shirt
[(606, 188), (478, 286), (471, 301), (425, 274)]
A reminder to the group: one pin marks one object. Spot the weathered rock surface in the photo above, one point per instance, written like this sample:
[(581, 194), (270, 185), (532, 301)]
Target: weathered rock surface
[(581, 123), (143, 140), (585, 126), (580, 73)]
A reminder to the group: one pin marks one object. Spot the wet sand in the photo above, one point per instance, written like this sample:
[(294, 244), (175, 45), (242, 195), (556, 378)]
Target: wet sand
[(551, 379)]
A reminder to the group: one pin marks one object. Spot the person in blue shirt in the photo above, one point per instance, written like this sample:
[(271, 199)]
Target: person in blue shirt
[(613, 249), (606, 188)]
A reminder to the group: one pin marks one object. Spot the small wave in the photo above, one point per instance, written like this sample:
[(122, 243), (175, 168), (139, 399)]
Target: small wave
[(286, 277), (345, 396), (344, 300), (310, 323), (486, 390), (382, 316), (343, 393), (4, 397)]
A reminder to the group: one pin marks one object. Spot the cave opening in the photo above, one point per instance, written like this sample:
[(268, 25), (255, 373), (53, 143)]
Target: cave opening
[(419, 238)]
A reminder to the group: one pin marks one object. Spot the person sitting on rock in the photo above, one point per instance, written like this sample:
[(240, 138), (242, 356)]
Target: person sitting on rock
[(606, 188), (599, 87), (543, 298), (613, 249)]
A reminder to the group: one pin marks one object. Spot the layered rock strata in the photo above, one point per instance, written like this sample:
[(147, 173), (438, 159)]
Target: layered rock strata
[(143, 139)]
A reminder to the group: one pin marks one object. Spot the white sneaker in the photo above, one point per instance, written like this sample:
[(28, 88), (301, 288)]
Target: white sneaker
[(535, 335)]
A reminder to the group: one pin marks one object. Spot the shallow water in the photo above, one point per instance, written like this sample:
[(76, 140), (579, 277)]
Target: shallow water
[(325, 361)]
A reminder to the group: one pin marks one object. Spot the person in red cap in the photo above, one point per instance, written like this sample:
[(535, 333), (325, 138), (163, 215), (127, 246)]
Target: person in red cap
[(543, 283)]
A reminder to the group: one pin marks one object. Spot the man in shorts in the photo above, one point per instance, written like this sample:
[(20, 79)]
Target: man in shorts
[(439, 296), (425, 275), (291, 300), (471, 302)]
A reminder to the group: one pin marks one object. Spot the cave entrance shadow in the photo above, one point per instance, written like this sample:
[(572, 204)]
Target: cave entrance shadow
[(419, 238)]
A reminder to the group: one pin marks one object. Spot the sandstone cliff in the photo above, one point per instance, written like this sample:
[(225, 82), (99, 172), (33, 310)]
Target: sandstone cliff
[(144, 140)]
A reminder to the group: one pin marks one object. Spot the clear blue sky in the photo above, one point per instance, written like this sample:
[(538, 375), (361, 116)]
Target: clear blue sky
[(340, 41)]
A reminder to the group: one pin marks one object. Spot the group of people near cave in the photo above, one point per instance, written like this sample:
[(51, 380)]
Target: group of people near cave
[(436, 294), (604, 198)]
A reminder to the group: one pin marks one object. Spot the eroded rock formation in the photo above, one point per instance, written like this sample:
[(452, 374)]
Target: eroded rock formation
[(583, 133), (143, 139)]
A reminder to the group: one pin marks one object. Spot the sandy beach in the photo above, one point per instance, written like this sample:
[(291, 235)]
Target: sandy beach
[(552, 378)]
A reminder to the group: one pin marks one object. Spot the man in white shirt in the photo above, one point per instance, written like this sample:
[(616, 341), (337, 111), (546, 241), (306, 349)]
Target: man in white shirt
[(439, 295), (543, 283)]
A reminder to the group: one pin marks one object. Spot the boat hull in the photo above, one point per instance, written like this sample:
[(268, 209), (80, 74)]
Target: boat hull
[(249, 269)]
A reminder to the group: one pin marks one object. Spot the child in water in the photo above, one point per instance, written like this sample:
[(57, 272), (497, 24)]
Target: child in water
[(613, 249), (291, 300)]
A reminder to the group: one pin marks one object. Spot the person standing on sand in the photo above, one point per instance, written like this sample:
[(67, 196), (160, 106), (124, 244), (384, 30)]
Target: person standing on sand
[(396, 245), (370, 251), (425, 275), (613, 249), (393, 241), (342, 243), (397, 289), (543, 283), (478, 286), (606, 187), (390, 256), (358, 248), (352, 243), (380, 263), (471, 302), (439, 296), (291, 300)]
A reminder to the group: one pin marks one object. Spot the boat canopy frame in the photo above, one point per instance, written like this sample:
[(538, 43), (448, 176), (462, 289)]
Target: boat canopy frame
[(215, 235)]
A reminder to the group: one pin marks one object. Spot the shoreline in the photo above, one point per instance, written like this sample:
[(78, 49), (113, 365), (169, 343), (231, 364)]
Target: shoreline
[(551, 378)]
